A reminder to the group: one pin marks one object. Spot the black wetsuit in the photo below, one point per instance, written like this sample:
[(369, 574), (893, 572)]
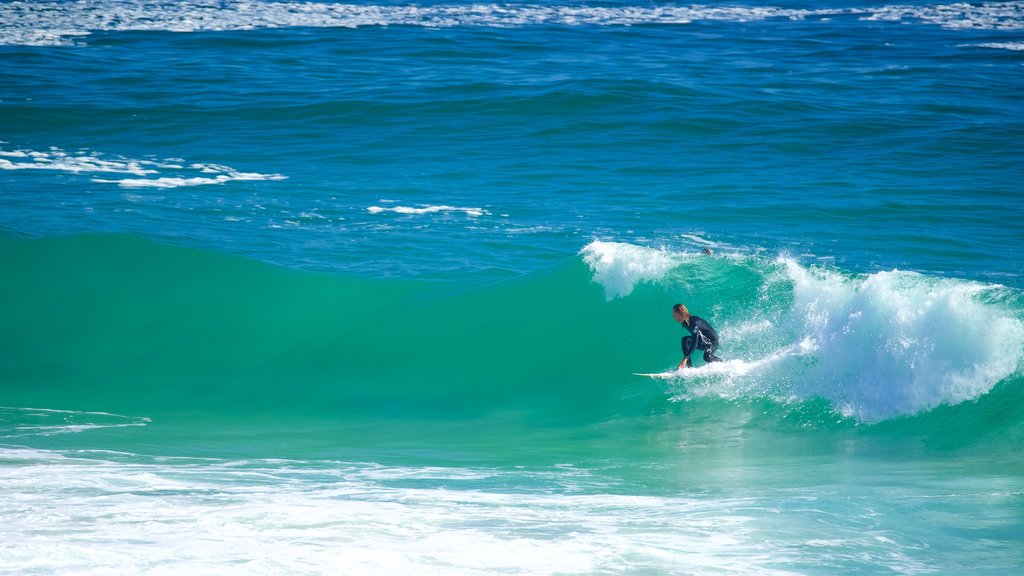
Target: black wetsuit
[(703, 338)]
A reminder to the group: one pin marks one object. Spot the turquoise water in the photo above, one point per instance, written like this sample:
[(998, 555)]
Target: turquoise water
[(319, 288)]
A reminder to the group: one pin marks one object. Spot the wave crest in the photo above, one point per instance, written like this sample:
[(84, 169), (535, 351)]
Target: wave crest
[(619, 266), (895, 343), (875, 346)]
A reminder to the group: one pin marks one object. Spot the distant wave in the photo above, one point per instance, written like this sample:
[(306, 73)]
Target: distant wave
[(53, 24)]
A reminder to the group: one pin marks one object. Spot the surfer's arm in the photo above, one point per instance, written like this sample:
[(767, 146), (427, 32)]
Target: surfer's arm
[(689, 343)]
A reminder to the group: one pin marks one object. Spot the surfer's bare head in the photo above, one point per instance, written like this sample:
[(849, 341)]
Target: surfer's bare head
[(680, 313)]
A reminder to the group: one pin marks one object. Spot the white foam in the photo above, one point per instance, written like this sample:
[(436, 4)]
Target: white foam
[(529, 230), (95, 162), (898, 343), (88, 513), (57, 159), (175, 182), (409, 210), (24, 422), (1000, 45), (699, 240), (55, 411), (959, 15), (876, 346), (619, 266), (60, 23)]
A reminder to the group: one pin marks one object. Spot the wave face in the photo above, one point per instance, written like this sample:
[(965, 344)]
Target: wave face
[(115, 324)]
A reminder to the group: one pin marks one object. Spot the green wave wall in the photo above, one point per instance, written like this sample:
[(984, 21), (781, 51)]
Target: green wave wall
[(124, 325), (95, 321)]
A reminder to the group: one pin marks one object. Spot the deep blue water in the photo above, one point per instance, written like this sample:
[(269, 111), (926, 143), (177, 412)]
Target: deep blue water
[(879, 143)]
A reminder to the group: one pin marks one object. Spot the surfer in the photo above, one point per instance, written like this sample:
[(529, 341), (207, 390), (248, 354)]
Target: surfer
[(702, 336)]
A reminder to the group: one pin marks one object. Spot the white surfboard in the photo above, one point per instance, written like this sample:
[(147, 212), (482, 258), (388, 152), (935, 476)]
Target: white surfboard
[(732, 367), (661, 375)]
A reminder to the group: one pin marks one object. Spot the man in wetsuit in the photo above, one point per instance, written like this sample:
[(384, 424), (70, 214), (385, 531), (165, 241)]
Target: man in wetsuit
[(702, 336)]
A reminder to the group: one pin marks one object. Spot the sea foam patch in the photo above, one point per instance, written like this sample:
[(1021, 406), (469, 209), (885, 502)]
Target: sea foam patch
[(984, 16), (1000, 45), (21, 423), (52, 24), (426, 209), (75, 162), (85, 161)]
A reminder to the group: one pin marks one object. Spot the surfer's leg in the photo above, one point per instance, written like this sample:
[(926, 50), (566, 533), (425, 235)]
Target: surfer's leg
[(709, 353), (689, 343)]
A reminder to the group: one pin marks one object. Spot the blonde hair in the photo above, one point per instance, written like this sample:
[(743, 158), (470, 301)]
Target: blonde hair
[(682, 312)]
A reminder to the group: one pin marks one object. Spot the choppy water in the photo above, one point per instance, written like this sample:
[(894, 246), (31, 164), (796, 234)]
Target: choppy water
[(333, 288)]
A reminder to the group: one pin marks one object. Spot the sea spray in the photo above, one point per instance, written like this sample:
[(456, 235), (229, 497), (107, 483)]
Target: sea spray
[(618, 266), (875, 346), (895, 342)]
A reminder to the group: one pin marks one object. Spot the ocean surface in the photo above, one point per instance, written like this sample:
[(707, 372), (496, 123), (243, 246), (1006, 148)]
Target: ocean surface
[(329, 288)]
